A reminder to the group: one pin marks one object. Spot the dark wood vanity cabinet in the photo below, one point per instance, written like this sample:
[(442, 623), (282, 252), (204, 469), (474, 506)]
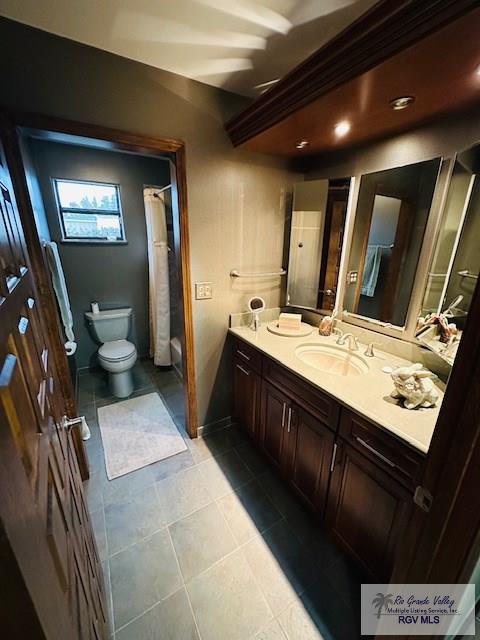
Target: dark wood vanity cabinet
[(276, 412), (367, 510), (298, 444), (247, 384), (313, 446), (371, 490), (352, 473)]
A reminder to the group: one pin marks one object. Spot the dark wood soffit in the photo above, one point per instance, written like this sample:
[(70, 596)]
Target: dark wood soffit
[(389, 27), (344, 154)]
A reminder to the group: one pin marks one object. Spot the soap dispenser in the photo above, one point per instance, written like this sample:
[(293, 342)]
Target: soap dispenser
[(326, 325)]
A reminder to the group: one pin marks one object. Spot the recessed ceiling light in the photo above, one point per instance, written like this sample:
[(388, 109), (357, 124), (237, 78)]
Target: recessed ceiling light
[(301, 144), (403, 102), (342, 128)]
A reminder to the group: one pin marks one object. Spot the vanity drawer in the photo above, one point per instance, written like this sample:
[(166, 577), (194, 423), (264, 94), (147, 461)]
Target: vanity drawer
[(382, 448), (243, 352), (305, 395)]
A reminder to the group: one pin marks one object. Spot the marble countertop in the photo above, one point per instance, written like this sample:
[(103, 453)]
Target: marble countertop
[(367, 394)]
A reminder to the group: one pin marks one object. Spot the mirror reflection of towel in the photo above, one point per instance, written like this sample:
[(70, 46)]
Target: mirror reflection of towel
[(371, 269)]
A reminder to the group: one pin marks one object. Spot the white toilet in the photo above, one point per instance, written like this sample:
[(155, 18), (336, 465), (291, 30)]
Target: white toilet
[(116, 355)]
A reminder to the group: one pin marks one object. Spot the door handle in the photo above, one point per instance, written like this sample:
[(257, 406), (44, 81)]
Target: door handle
[(283, 414), (375, 452), (289, 424), (239, 366), (69, 423), (244, 355)]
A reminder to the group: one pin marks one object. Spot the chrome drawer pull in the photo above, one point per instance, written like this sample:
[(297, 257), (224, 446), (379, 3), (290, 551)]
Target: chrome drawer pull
[(283, 414), (244, 355), (334, 455), (289, 419), (247, 373), (375, 452)]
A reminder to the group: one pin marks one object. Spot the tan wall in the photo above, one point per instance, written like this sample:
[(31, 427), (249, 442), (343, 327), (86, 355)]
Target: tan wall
[(237, 201)]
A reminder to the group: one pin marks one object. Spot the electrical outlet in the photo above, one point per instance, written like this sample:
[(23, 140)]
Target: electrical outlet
[(352, 277), (203, 290)]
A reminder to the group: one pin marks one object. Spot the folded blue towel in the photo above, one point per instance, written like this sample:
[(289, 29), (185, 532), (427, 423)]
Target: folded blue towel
[(371, 269)]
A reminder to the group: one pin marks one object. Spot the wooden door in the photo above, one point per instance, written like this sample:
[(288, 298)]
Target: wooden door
[(50, 561), (312, 445), (276, 410), (367, 510), (246, 397)]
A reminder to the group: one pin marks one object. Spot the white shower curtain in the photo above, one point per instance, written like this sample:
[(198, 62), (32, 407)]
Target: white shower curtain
[(159, 293)]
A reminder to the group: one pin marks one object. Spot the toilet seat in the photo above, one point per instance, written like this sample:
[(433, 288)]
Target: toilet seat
[(116, 350)]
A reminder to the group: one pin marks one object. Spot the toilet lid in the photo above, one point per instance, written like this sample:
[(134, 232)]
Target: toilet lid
[(116, 350)]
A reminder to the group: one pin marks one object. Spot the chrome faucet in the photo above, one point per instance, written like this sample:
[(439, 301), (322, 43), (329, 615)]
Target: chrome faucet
[(352, 341), (369, 352)]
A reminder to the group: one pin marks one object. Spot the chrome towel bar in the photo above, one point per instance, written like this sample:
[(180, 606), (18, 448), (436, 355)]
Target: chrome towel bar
[(466, 274), (235, 273)]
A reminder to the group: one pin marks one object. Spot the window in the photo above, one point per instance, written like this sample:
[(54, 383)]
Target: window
[(89, 211)]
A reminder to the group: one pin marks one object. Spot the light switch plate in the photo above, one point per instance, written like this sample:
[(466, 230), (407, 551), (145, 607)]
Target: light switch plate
[(352, 277), (203, 290)]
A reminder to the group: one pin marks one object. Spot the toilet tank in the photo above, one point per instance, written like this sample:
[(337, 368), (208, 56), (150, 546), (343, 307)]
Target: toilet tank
[(111, 324)]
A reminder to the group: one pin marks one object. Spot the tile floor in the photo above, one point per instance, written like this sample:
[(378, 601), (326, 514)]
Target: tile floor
[(210, 544)]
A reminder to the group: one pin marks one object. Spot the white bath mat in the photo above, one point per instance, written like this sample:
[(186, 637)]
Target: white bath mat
[(136, 433)]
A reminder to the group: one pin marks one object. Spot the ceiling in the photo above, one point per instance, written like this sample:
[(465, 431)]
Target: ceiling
[(239, 45)]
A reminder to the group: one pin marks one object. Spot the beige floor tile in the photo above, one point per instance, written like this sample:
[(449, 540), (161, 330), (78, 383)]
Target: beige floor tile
[(272, 631), (298, 625), (142, 575), (128, 521), (226, 601), (201, 539), (224, 473), (268, 572), (248, 511), (182, 493), (170, 620)]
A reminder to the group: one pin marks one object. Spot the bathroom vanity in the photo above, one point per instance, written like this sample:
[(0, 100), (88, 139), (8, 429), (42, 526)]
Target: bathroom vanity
[(391, 253), (351, 453)]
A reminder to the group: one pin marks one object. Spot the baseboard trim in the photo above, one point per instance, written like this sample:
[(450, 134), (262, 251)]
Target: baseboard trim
[(217, 425)]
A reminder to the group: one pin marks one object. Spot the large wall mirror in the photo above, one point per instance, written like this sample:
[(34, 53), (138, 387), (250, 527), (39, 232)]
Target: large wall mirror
[(390, 254), (455, 264), (316, 237), (391, 216)]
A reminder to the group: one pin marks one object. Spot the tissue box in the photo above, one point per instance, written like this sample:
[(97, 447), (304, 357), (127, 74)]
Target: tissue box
[(289, 321)]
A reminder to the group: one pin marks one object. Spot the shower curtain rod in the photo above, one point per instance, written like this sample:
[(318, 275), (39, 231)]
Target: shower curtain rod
[(157, 194)]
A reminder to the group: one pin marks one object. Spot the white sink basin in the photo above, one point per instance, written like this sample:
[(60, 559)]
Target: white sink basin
[(331, 359)]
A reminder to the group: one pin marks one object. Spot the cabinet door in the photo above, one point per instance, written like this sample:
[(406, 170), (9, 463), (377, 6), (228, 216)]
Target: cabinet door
[(312, 445), (246, 397), (275, 410), (367, 510)]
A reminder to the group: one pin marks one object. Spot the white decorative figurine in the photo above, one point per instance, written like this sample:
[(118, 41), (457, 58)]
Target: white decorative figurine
[(414, 383)]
